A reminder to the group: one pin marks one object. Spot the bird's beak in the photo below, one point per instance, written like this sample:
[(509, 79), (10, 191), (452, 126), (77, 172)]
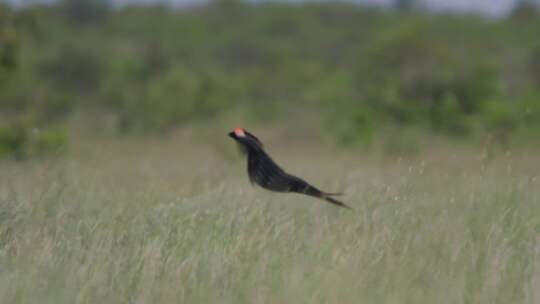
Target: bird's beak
[(232, 135)]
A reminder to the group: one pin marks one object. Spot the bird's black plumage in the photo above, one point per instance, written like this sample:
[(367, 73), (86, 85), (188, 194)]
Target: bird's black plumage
[(263, 171)]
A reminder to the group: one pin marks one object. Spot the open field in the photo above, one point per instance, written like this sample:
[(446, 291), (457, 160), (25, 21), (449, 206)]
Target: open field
[(170, 224), (118, 183)]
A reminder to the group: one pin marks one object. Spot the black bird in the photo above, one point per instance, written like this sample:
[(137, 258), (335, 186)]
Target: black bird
[(263, 171)]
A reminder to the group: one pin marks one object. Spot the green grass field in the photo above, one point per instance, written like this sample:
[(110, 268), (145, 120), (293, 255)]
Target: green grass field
[(170, 224)]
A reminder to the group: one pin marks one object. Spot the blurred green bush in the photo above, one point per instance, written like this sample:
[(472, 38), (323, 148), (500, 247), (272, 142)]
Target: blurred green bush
[(367, 72), (20, 141)]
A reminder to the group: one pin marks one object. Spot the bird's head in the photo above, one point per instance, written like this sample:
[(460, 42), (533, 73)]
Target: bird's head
[(246, 140)]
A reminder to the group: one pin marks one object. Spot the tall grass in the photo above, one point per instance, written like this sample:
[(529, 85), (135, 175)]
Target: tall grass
[(174, 225)]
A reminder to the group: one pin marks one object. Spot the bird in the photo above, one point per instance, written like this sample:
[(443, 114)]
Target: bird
[(263, 171)]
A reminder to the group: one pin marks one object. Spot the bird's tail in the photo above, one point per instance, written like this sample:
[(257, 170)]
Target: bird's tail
[(328, 197), (312, 191), (334, 193)]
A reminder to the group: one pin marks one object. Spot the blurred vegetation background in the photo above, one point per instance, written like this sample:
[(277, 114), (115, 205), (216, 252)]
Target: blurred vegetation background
[(367, 73)]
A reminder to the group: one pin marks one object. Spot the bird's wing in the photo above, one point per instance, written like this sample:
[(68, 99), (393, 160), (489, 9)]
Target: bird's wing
[(263, 171)]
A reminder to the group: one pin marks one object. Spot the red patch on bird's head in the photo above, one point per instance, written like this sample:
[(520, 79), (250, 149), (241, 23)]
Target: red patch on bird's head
[(240, 132)]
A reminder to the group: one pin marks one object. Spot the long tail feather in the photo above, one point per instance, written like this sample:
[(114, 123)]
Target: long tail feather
[(334, 193), (305, 188), (328, 198)]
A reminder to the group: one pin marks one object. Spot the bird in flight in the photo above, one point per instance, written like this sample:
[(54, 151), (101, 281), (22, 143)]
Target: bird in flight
[(263, 171)]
